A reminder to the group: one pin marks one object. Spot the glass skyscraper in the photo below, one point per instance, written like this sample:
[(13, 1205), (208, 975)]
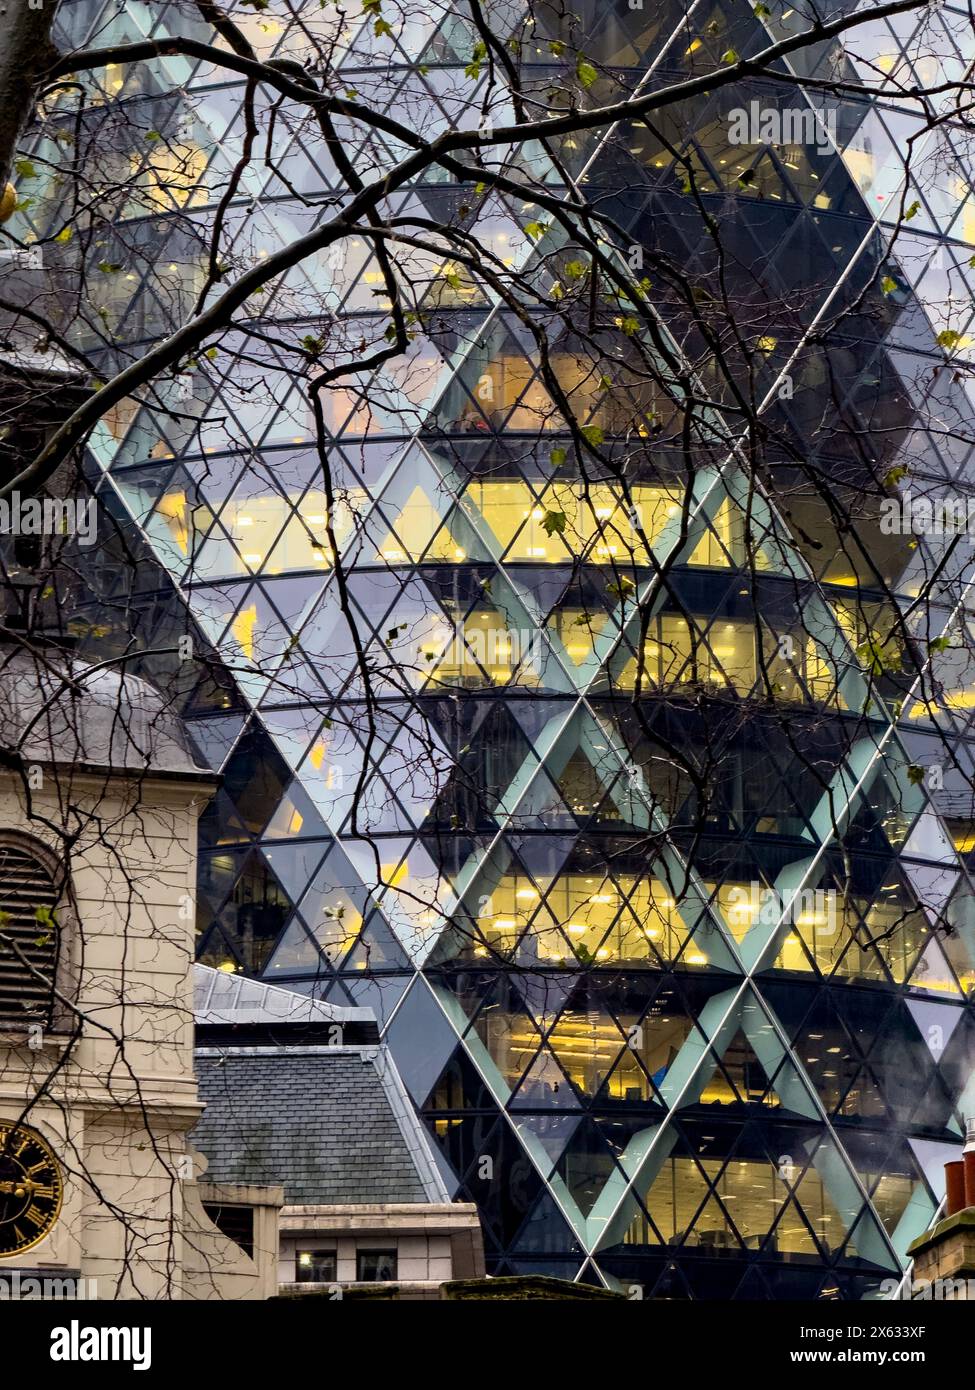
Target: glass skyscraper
[(665, 906)]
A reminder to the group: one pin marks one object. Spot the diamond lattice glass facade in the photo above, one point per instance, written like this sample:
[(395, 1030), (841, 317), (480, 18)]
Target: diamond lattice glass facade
[(575, 901)]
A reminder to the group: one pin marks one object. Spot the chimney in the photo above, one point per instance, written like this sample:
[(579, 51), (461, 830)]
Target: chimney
[(944, 1257)]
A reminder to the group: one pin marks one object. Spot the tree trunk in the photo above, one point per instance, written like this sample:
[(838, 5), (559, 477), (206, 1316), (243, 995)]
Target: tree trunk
[(26, 52)]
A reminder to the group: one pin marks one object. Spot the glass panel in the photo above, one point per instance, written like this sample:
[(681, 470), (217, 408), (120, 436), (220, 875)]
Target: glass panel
[(584, 916), (375, 1266)]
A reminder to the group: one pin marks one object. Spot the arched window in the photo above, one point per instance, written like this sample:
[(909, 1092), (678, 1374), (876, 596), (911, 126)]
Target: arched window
[(29, 932)]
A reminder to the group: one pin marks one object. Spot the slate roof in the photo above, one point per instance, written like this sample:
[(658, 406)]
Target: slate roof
[(332, 1125)]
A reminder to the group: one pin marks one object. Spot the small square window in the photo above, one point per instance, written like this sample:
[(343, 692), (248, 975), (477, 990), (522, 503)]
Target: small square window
[(374, 1266), (237, 1223), (315, 1266)]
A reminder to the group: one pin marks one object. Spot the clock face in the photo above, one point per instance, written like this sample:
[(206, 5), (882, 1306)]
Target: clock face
[(30, 1189)]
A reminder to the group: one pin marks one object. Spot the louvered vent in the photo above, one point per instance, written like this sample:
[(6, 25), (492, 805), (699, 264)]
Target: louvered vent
[(28, 937)]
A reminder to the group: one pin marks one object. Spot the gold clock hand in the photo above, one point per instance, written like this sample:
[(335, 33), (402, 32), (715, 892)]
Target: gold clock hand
[(19, 1187)]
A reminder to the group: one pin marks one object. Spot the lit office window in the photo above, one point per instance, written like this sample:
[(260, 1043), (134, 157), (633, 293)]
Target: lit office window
[(315, 1266)]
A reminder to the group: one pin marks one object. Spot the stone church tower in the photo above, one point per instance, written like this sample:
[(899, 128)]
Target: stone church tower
[(99, 799)]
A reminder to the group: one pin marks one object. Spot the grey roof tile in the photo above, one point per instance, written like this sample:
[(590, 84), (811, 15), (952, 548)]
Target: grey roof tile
[(323, 1122)]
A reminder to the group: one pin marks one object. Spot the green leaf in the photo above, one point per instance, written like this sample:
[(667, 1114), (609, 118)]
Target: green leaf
[(382, 27), (915, 774), (887, 285), (576, 269), (585, 71), (623, 589), (536, 230), (557, 457), (256, 4), (211, 353), (876, 658), (553, 523), (939, 644), (948, 339), (729, 56), (593, 435), (25, 169), (473, 69), (109, 267), (912, 211), (64, 235), (556, 48), (761, 11), (153, 135), (895, 475)]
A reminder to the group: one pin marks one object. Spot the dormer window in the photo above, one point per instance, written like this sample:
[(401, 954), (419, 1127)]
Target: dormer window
[(29, 933)]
